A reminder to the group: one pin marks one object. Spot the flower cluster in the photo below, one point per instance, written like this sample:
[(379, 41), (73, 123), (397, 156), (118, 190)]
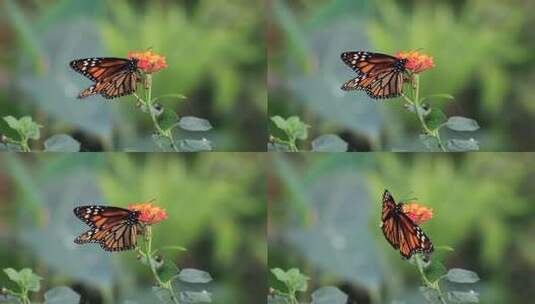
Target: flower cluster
[(417, 213), (416, 61), (148, 61), (149, 214)]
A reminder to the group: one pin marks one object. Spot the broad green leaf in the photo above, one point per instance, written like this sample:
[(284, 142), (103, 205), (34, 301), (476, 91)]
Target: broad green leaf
[(280, 122), (280, 274), (61, 143), (167, 271), (462, 145), (297, 128), (430, 295), (12, 122), (296, 280), (430, 143), (164, 295), (61, 295), (458, 123), (459, 275), (194, 276), (435, 270), (195, 297), (329, 143), (463, 297), (191, 123), (435, 118), (329, 295), (194, 145), (12, 274), (168, 119)]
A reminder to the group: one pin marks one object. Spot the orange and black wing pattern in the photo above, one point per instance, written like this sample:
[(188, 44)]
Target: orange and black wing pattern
[(379, 75), (115, 229), (113, 77), (400, 231)]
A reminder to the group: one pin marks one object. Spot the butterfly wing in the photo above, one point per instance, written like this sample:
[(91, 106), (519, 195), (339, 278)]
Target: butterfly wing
[(115, 229), (100, 68), (380, 75), (119, 84), (400, 231)]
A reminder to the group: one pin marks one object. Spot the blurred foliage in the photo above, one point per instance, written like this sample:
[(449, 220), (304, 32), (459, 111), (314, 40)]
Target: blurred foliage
[(325, 213), (482, 51), (215, 207), (214, 48)]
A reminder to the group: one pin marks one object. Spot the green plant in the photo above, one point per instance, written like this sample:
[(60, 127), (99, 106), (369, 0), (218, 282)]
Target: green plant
[(27, 130), (27, 282), (165, 119), (295, 281), (294, 129)]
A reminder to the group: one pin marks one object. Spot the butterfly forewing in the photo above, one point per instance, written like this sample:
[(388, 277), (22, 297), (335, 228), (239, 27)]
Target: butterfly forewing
[(113, 77), (380, 75), (115, 229)]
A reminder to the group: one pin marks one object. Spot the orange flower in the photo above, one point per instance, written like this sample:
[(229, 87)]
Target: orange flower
[(148, 61), (417, 213), (416, 62), (149, 214)]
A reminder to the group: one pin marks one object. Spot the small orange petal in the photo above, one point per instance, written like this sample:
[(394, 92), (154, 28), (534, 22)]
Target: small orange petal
[(149, 214), (416, 62), (148, 61), (417, 213)]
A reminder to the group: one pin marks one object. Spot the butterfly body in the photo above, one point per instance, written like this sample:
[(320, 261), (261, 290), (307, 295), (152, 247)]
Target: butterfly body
[(380, 75), (113, 77), (113, 228), (400, 231)]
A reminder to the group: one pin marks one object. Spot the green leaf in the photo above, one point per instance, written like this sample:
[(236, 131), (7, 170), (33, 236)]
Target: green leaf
[(435, 118), (459, 275), (462, 145), (29, 128), (194, 145), (278, 299), (280, 122), (296, 280), (280, 274), (61, 295), (329, 143), (436, 96), (459, 123), (61, 143), (329, 295), (430, 142), (164, 295), (190, 275), (12, 274), (179, 248), (435, 270), (297, 128), (168, 119), (12, 122), (195, 297), (191, 123), (430, 294), (278, 147), (167, 271), (463, 297), (175, 96)]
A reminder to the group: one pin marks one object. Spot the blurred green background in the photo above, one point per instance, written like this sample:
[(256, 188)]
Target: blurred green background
[(215, 50), (215, 204), (324, 215), (483, 52)]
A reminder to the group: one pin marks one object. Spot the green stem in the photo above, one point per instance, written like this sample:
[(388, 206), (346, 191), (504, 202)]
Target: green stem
[(149, 256), (149, 104), (420, 114), (433, 285)]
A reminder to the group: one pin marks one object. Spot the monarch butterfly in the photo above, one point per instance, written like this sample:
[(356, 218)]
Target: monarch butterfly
[(380, 75), (113, 77), (401, 232), (115, 229)]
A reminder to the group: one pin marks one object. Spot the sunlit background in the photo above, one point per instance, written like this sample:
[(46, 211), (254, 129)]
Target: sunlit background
[(215, 50), (324, 213), (483, 52), (215, 205)]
